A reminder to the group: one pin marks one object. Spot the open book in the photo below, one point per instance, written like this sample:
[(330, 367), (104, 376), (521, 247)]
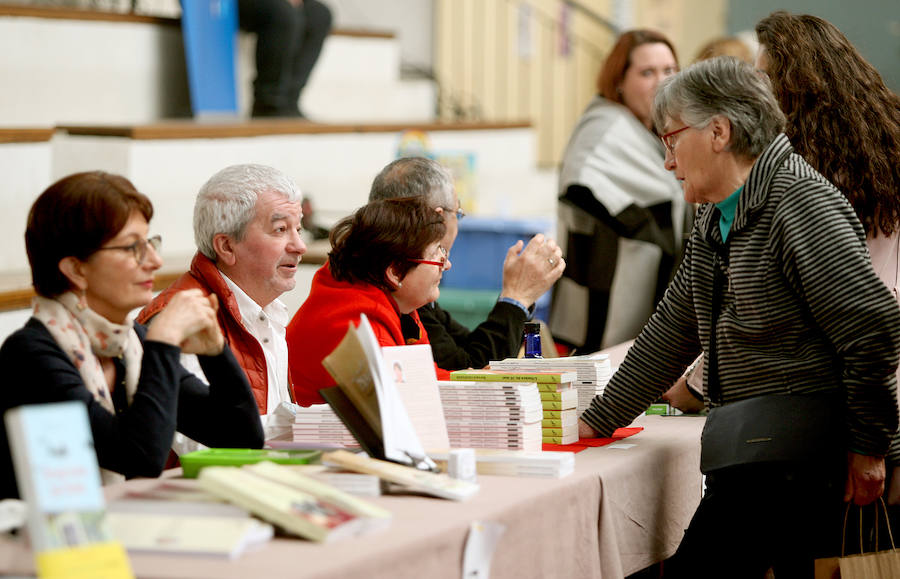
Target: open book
[(369, 403), (431, 483)]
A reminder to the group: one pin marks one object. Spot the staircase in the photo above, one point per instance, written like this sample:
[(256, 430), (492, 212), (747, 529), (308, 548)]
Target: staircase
[(87, 90)]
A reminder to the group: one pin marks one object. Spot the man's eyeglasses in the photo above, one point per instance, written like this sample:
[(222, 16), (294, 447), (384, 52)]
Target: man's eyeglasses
[(139, 247), (669, 142), (459, 212), (440, 263)]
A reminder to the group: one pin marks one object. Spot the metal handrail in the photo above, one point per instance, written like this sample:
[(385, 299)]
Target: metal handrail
[(590, 13)]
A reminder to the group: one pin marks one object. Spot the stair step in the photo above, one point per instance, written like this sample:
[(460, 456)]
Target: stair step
[(66, 13), (344, 58), (25, 135), (71, 66), (26, 163), (190, 129), (406, 101), (356, 78), (334, 164)]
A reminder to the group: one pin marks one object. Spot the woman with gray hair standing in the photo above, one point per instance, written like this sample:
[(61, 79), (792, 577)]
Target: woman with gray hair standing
[(800, 336)]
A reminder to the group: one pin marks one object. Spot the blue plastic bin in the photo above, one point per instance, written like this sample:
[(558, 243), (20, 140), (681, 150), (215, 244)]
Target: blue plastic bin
[(478, 253)]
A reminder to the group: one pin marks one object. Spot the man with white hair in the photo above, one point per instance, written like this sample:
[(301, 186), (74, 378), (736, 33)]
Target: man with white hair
[(247, 230), (528, 272)]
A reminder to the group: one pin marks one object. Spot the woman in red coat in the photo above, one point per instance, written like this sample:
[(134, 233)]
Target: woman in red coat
[(386, 261)]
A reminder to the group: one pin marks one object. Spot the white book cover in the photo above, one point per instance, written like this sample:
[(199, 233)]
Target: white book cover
[(210, 535), (401, 443), (411, 368)]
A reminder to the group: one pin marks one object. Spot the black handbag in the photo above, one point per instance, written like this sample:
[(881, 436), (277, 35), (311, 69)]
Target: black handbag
[(775, 428)]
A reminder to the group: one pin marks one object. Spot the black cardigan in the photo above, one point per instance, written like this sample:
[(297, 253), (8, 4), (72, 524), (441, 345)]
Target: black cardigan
[(455, 347), (134, 441)]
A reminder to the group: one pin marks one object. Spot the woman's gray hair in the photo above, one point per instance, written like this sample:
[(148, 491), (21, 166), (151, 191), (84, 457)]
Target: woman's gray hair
[(226, 203), (415, 177), (728, 87)]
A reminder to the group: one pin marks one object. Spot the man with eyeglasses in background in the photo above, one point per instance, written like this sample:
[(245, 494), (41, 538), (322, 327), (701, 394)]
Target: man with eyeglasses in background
[(247, 230), (527, 273)]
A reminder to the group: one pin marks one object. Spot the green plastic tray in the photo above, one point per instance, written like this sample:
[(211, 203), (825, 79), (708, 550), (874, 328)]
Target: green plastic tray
[(193, 462)]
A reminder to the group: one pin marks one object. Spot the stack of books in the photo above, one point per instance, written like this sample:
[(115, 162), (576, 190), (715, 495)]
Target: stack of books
[(318, 425), (546, 464), (593, 372), (492, 414), (559, 398)]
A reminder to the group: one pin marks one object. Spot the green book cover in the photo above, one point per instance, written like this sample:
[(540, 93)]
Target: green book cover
[(658, 409), (558, 405), (563, 395), (559, 431), (558, 422), (500, 376), (560, 439), (558, 414)]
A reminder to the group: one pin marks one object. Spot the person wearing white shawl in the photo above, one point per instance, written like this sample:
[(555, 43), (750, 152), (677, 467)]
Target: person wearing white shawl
[(621, 214), (92, 264)]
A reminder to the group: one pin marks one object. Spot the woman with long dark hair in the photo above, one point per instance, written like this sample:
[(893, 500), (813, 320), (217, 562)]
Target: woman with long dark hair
[(845, 122)]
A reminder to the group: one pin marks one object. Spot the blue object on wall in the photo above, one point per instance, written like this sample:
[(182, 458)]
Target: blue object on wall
[(210, 43), (479, 250)]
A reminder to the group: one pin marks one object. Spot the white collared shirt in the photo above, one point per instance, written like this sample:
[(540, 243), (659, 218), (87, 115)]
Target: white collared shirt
[(267, 325)]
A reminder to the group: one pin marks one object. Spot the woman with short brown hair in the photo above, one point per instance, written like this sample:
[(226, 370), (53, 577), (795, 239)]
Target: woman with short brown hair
[(386, 262), (92, 264)]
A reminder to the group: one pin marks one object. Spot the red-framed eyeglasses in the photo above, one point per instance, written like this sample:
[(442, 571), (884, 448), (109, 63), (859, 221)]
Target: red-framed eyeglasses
[(440, 263), (667, 138)]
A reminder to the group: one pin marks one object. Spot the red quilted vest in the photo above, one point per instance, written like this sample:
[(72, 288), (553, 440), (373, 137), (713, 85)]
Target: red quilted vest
[(205, 276)]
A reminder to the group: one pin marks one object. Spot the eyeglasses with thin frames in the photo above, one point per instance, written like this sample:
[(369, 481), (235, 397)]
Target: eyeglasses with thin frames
[(458, 212), (440, 264), (139, 247), (669, 142)]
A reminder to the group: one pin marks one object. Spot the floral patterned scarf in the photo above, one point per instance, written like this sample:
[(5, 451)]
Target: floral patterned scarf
[(84, 335)]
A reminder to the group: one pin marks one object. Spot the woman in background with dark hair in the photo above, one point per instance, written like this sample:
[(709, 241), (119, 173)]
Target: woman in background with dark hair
[(846, 123), (840, 115), (386, 262), (92, 264), (621, 214)]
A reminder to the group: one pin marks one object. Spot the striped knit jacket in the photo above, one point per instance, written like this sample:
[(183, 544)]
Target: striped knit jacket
[(803, 311)]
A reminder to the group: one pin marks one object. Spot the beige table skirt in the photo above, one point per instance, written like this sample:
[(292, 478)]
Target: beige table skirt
[(623, 509)]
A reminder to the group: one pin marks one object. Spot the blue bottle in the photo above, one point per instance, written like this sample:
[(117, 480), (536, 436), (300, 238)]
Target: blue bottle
[(533, 340)]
